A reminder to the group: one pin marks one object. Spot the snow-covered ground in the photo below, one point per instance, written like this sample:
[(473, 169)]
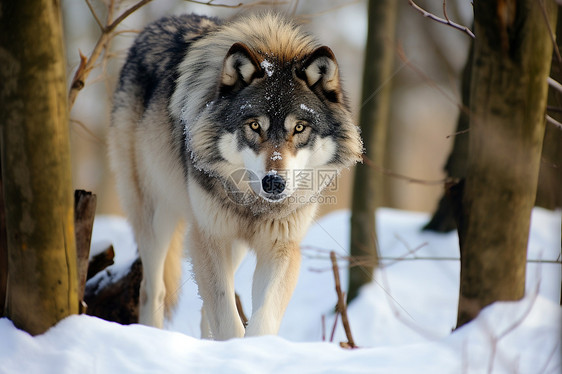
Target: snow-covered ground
[(402, 321)]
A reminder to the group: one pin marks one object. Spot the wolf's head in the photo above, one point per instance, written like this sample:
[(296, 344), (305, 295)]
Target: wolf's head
[(278, 112)]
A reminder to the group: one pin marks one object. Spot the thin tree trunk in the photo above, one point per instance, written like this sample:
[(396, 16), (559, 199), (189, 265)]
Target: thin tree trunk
[(512, 55), (368, 186), (42, 279)]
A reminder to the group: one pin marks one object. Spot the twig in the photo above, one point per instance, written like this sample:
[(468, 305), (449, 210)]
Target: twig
[(446, 21), (554, 84), (211, 3), (87, 130), (554, 122), (124, 15), (462, 132), (334, 326), (392, 174), (94, 14), (342, 308), (402, 55), (445, 11), (239, 5), (410, 255), (495, 338), (86, 65)]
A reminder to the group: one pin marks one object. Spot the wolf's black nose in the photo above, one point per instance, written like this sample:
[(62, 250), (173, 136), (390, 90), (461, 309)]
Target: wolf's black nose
[(273, 184)]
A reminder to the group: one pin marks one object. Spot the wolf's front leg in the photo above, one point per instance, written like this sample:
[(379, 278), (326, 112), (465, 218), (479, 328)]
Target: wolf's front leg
[(213, 266), (275, 278)]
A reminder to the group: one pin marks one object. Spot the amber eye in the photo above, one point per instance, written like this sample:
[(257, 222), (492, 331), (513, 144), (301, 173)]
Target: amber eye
[(299, 128), (255, 125)]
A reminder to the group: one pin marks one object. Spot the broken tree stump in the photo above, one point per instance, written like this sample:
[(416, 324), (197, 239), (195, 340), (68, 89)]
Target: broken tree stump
[(113, 294), (84, 213)]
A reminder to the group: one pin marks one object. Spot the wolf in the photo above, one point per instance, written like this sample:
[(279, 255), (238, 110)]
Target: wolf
[(213, 124)]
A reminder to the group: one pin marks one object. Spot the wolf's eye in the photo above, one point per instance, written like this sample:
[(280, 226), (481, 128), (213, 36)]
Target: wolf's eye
[(255, 125), (299, 128)]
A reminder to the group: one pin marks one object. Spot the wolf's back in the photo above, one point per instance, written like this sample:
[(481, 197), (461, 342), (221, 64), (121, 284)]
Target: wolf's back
[(151, 67)]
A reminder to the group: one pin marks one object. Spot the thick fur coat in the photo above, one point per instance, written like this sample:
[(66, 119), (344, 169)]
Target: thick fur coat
[(214, 127)]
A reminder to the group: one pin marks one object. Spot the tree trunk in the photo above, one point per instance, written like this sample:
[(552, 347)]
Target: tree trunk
[(3, 251), (512, 55), (42, 278), (443, 219), (368, 185), (549, 190)]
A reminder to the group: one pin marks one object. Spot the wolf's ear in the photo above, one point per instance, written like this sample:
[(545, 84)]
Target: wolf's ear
[(320, 71), (240, 68)]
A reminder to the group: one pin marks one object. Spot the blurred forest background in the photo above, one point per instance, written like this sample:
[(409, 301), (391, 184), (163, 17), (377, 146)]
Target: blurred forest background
[(425, 87)]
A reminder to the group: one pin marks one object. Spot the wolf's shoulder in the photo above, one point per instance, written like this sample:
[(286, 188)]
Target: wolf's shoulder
[(153, 58), (167, 37)]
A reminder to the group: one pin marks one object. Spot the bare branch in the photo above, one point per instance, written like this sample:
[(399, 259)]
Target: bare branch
[(234, 6), (88, 131), (77, 81), (554, 84), (124, 15), (342, 308), (334, 326), (554, 122), (94, 14), (445, 11), (211, 3), (392, 174), (458, 133), (86, 67), (445, 21), (430, 82)]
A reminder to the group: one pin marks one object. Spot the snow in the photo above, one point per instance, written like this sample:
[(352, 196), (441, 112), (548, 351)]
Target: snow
[(306, 108), (268, 67), (276, 156), (402, 321)]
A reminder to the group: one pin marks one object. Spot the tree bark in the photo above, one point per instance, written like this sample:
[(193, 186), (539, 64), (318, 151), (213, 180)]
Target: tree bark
[(3, 251), (549, 190), (84, 214), (512, 54), (368, 185), (115, 298), (42, 279)]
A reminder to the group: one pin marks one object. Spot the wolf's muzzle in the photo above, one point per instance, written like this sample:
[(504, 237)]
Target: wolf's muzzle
[(273, 184)]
